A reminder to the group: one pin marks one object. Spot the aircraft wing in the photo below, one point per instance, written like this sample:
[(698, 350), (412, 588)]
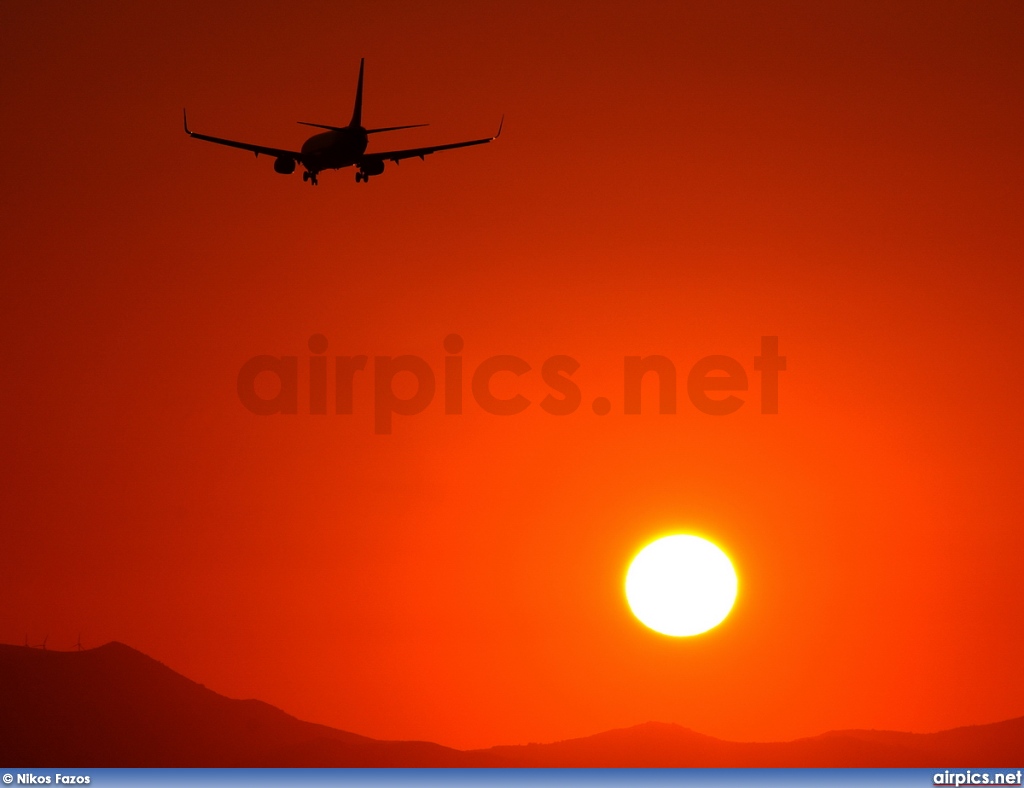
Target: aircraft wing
[(412, 153), (257, 149)]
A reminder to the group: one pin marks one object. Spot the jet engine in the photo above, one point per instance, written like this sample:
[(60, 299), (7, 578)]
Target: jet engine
[(372, 167), (284, 165)]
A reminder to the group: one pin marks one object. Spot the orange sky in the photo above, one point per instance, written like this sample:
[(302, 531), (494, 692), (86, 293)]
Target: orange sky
[(674, 179)]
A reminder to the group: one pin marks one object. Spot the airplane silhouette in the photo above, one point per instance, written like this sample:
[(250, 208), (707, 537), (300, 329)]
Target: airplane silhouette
[(340, 146)]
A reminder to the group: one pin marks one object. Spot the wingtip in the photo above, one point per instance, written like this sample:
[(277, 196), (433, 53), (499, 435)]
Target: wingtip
[(184, 118), (500, 124)]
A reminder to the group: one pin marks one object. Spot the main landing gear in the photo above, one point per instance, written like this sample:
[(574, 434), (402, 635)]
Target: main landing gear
[(309, 176), (362, 176)]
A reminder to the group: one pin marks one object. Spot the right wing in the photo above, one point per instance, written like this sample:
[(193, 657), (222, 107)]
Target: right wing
[(410, 153), (257, 149)]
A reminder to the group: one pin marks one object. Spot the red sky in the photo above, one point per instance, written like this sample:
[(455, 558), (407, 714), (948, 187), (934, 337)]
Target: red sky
[(674, 179)]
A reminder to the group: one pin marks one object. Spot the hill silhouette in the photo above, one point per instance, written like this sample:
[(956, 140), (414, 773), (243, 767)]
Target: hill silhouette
[(114, 706), (657, 744)]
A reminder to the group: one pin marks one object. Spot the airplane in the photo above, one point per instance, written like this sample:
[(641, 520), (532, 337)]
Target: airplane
[(340, 146)]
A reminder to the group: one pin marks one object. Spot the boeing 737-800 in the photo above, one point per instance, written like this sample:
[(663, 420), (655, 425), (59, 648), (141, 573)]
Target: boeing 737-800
[(339, 146)]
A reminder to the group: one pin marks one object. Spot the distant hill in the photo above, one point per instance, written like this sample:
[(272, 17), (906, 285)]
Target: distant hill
[(114, 706), (657, 744)]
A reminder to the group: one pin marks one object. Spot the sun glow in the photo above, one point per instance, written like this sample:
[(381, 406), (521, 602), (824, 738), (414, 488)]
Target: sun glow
[(681, 585)]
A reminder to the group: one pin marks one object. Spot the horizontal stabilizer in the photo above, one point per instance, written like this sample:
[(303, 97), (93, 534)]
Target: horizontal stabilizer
[(396, 128), (368, 131), (321, 126)]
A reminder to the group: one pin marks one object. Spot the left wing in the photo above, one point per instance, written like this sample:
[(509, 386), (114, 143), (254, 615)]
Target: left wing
[(257, 149), (411, 153)]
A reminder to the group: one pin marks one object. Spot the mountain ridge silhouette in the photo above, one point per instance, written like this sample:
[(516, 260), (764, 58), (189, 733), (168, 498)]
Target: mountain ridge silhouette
[(114, 706)]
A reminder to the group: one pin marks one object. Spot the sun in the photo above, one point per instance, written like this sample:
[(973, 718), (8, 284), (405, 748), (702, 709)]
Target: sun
[(681, 585)]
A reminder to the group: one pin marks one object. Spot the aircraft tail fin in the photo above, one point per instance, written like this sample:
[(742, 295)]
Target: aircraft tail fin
[(357, 113)]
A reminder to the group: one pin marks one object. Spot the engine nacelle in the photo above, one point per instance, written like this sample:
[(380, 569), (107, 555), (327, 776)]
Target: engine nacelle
[(372, 167), (284, 165)]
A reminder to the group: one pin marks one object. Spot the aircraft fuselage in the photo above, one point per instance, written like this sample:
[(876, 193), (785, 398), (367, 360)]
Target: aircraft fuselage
[(333, 150)]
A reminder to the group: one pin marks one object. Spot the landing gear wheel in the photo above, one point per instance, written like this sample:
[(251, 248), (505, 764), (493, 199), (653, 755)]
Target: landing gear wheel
[(360, 177), (309, 176)]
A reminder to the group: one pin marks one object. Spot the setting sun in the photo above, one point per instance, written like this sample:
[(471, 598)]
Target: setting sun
[(681, 585)]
